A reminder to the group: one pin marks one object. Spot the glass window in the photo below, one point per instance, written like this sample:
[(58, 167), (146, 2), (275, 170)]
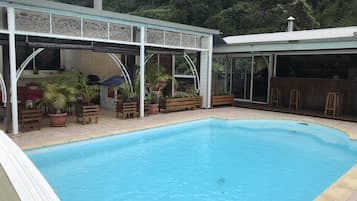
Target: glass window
[(48, 59), (221, 73), (342, 66)]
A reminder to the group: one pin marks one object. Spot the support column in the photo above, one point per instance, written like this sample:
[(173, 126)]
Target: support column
[(142, 71), (6, 74), (206, 72), (12, 59)]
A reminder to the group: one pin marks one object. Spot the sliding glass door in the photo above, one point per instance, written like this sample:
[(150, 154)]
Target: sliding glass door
[(260, 78), (250, 78), (241, 79), (246, 77)]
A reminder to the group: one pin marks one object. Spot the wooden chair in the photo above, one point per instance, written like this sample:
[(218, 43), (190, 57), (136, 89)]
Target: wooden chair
[(333, 104), (295, 98), (275, 97), (30, 119), (86, 114)]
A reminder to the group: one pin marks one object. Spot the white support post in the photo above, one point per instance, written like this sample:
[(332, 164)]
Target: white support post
[(210, 58), (142, 70), (206, 72), (12, 59), (173, 69)]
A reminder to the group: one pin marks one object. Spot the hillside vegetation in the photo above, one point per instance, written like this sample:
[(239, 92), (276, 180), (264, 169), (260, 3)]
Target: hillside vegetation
[(234, 17)]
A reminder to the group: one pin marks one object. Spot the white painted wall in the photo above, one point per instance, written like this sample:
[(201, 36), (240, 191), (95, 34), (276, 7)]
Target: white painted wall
[(88, 62)]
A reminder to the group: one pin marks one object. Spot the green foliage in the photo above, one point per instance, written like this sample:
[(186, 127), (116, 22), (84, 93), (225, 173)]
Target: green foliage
[(126, 93), (86, 92), (58, 91), (156, 77), (240, 16), (180, 94)]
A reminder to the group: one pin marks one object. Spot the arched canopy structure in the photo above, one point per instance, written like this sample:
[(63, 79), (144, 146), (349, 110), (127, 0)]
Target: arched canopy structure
[(58, 21)]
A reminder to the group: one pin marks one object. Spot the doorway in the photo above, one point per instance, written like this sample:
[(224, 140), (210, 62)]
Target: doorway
[(250, 78)]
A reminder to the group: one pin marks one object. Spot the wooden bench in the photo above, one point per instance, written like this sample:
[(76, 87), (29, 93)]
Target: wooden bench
[(177, 104), (126, 110), (222, 100), (30, 119), (87, 113)]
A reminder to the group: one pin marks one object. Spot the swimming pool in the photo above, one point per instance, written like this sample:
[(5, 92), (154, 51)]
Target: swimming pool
[(204, 160)]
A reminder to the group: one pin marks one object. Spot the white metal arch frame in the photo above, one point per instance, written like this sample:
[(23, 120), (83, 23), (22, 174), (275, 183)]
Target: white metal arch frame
[(39, 50), (3, 90), (196, 77), (26, 62), (123, 69), (192, 66)]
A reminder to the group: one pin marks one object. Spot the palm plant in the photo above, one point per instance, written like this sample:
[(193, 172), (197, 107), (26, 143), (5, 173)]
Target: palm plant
[(56, 94), (86, 92), (125, 91)]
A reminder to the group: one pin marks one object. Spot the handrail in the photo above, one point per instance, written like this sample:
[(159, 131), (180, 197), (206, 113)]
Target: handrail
[(27, 182)]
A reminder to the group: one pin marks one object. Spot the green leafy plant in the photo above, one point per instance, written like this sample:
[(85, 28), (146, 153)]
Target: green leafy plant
[(86, 92), (180, 94), (57, 92), (126, 93)]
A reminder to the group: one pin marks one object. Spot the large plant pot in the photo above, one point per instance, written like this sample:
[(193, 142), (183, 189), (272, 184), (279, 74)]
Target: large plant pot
[(58, 120), (153, 108)]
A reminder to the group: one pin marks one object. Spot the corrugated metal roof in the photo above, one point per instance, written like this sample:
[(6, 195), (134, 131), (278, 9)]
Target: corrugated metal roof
[(108, 14), (306, 35)]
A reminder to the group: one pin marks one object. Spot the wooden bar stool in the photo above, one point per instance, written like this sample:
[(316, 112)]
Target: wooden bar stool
[(294, 101), (333, 103), (275, 97)]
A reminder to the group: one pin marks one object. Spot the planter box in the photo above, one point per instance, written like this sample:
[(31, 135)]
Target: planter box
[(126, 110), (30, 119), (177, 104), (222, 100), (198, 101), (87, 113), (146, 107)]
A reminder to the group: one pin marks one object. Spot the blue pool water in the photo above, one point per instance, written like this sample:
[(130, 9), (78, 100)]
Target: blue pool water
[(206, 160)]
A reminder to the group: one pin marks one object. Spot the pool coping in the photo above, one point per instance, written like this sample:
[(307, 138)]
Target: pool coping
[(124, 131), (342, 189)]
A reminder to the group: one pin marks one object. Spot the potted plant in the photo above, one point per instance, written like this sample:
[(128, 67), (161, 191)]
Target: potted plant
[(180, 101), (156, 80), (86, 110), (127, 106), (56, 93), (153, 101), (195, 96)]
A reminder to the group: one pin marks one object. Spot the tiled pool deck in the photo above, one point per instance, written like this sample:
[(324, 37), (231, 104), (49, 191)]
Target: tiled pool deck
[(345, 189)]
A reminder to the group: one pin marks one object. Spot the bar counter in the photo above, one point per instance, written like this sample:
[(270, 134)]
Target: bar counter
[(314, 92)]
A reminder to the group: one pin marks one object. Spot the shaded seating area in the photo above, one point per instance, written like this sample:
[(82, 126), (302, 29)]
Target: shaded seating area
[(328, 98)]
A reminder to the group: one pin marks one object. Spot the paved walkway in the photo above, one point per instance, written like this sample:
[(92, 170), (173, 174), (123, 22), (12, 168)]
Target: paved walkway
[(109, 125), (344, 189)]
